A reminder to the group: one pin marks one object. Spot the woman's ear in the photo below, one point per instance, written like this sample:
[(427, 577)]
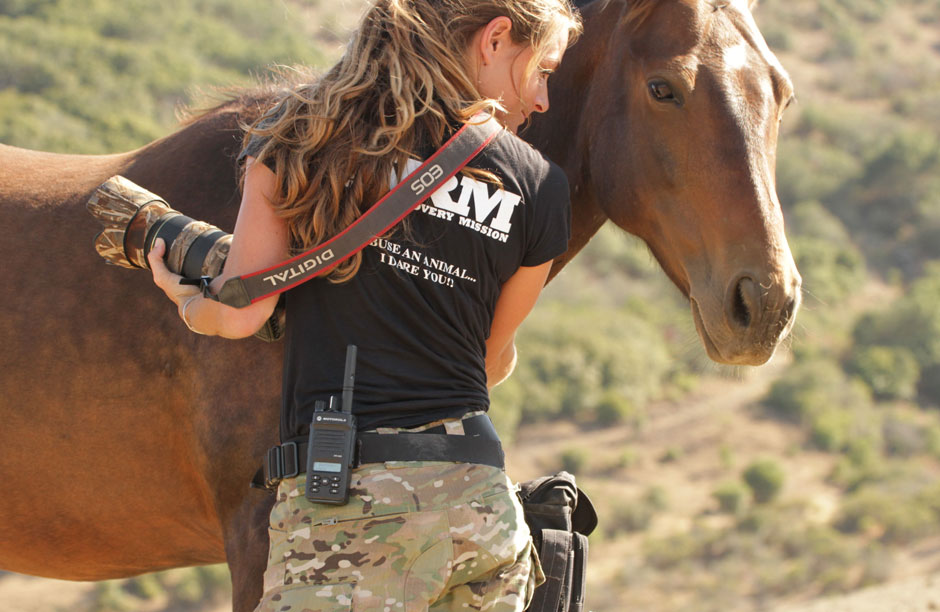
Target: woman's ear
[(495, 39)]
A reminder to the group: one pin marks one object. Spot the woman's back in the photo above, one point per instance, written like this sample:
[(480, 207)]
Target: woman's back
[(420, 306)]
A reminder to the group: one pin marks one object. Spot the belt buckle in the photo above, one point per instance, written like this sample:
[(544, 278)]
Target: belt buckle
[(290, 460), (273, 469)]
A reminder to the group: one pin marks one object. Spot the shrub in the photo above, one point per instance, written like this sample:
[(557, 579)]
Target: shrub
[(613, 366), (633, 516), (146, 586), (181, 588), (630, 517), (613, 409), (903, 437), (864, 451), (671, 455), (779, 39), (888, 197), (730, 496), (883, 513), (765, 479), (912, 323), (845, 43), (811, 386), (832, 271), (573, 460), (810, 219), (929, 385), (810, 170), (932, 435), (678, 550), (109, 595), (657, 498), (626, 459), (849, 476), (726, 456), (890, 372), (831, 429), (833, 409), (506, 403), (818, 541)]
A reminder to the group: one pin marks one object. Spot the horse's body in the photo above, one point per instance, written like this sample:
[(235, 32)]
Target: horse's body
[(128, 441)]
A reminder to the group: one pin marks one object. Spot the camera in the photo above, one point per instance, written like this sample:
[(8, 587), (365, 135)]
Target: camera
[(134, 218)]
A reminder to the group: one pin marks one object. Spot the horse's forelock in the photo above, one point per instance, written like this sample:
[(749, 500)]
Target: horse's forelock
[(638, 11)]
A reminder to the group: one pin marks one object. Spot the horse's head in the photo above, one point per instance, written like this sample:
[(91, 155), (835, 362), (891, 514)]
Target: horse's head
[(680, 130)]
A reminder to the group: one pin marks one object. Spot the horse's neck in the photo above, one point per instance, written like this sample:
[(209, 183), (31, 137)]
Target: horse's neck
[(580, 96)]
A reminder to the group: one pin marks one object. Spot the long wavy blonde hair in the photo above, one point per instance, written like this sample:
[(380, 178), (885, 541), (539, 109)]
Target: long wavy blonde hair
[(403, 82)]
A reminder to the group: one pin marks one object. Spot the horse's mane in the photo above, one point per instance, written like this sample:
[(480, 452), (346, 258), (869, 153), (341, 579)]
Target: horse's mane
[(250, 100)]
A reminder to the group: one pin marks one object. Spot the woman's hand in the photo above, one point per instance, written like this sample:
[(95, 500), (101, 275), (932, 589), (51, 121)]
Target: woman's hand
[(259, 241), (166, 280)]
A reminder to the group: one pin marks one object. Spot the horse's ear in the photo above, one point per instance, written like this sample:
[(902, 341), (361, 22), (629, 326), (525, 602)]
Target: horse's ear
[(752, 3)]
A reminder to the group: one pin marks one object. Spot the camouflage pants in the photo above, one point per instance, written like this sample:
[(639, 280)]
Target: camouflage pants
[(415, 536)]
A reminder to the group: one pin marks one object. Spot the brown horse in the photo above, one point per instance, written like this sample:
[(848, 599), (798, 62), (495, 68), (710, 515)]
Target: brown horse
[(128, 441)]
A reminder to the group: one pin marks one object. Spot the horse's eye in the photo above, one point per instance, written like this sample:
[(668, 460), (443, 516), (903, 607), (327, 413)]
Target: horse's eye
[(661, 91)]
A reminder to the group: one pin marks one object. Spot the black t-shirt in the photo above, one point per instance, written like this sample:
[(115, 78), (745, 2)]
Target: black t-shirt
[(421, 305)]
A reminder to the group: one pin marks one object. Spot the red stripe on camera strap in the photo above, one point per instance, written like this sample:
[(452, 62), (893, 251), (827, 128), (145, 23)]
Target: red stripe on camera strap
[(464, 145)]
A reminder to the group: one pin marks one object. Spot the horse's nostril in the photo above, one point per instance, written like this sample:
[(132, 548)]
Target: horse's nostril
[(739, 311), (789, 310), (744, 301)]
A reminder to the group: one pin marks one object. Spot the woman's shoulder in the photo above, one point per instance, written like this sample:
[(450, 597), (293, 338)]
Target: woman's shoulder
[(529, 166)]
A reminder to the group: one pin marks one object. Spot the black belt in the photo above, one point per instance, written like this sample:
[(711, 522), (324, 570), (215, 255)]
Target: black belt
[(479, 444)]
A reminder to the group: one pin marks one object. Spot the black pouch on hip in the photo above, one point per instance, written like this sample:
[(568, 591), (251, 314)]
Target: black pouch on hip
[(560, 517)]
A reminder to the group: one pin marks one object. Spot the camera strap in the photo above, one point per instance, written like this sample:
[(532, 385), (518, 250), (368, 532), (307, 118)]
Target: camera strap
[(463, 146)]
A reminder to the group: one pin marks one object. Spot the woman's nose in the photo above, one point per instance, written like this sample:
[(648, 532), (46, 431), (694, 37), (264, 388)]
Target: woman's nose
[(541, 102)]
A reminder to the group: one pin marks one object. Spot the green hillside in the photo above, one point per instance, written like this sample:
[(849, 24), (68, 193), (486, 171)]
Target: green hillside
[(693, 518), (100, 76)]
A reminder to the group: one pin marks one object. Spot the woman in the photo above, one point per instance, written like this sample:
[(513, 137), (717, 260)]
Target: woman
[(433, 306)]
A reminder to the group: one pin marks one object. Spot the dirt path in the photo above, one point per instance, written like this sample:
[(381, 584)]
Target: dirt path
[(28, 594), (20, 593), (921, 594)]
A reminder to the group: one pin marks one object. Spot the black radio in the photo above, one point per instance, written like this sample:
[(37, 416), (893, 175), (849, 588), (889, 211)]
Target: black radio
[(331, 444)]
